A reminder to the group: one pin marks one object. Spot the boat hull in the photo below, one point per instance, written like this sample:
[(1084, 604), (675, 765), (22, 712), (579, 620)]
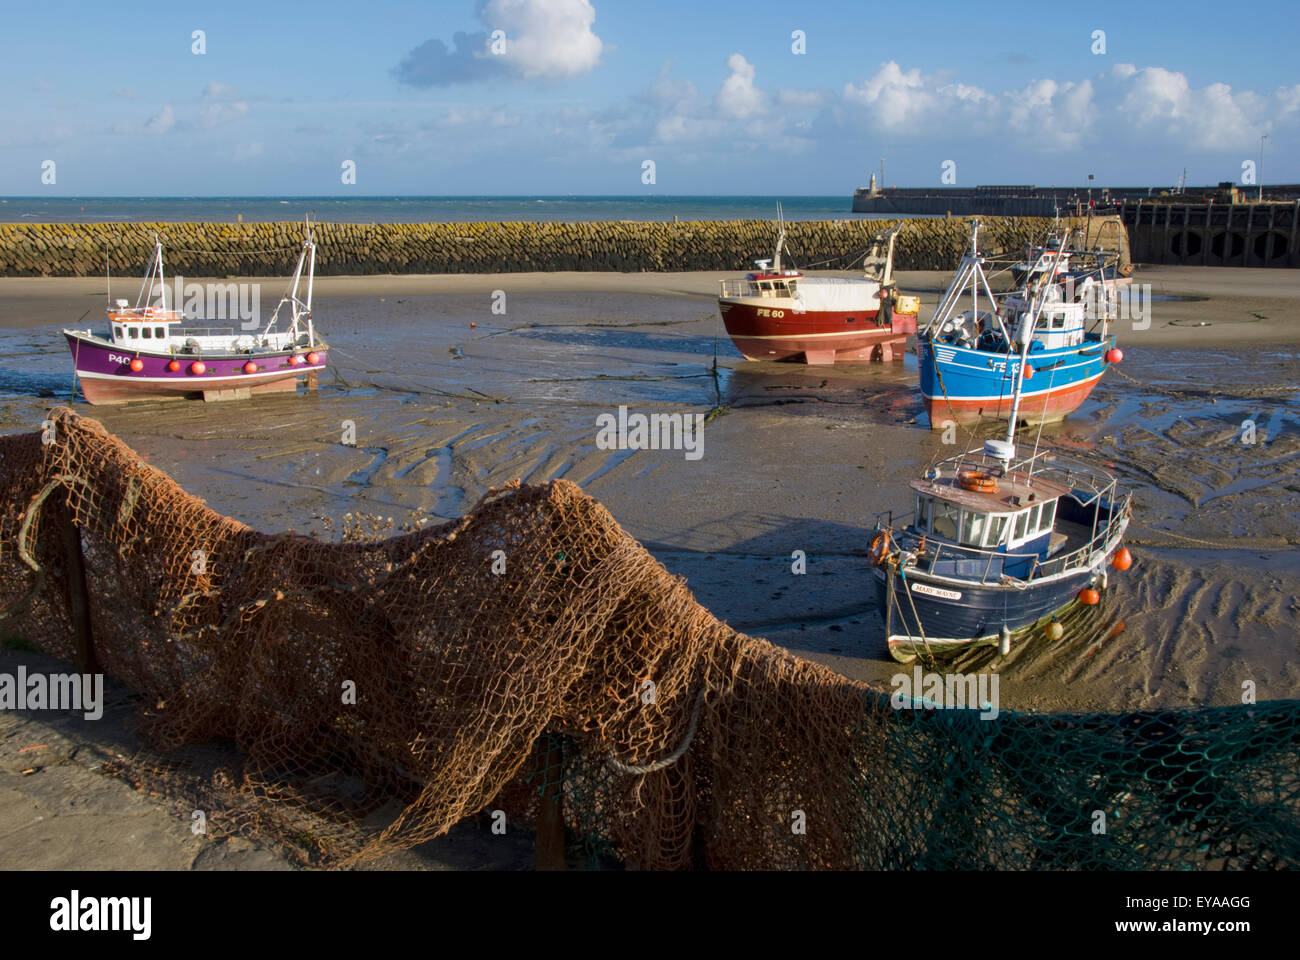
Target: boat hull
[(954, 614), (106, 377), (966, 385), (818, 337)]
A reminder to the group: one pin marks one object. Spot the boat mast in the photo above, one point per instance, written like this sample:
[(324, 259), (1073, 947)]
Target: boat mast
[(162, 280), (780, 239), (311, 275), (1028, 323)]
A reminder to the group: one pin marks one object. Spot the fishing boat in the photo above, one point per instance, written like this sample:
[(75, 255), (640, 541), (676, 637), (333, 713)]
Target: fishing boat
[(997, 545), (149, 353), (781, 314), (970, 360)]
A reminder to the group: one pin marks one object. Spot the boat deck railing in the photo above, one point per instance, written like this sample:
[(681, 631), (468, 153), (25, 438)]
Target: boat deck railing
[(929, 551), (741, 288), (1074, 474)]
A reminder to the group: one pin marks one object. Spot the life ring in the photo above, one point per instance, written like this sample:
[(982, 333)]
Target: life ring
[(976, 481), (879, 548)]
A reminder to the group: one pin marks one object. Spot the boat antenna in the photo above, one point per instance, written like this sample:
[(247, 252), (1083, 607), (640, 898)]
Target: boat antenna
[(108, 276)]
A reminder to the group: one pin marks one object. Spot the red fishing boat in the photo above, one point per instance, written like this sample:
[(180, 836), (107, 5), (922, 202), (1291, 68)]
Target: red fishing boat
[(780, 314)]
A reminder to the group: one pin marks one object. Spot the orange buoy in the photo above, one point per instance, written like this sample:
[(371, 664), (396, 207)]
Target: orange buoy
[(472, 324), (313, 358), (1114, 355), (1089, 597), (137, 365), (250, 367), (293, 360), (976, 481), (174, 365), (198, 367), (1029, 372), (1122, 559)]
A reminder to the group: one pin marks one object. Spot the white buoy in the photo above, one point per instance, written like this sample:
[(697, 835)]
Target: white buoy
[(1004, 641)]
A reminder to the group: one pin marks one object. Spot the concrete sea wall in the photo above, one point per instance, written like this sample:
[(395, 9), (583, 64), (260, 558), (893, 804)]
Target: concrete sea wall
[(271, 249)]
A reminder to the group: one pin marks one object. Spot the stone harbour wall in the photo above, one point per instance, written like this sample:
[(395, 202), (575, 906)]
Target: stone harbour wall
[(271, 249)]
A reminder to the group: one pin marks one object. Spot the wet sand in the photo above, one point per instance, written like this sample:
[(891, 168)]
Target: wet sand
[(449, 399)]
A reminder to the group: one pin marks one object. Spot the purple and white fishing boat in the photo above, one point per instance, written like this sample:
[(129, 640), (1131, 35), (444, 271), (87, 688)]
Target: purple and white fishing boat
[(149, 354)]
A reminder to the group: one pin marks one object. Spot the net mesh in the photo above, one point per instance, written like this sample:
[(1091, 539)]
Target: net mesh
[(371, 695)]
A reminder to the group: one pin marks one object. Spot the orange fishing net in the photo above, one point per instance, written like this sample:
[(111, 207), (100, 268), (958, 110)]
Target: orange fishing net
[(379, 692)]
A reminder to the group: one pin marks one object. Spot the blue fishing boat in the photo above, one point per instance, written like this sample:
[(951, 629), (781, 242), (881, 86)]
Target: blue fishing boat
[(996, 544), (970, 360)]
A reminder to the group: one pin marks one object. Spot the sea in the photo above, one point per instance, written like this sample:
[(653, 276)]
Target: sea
[(382, 209)]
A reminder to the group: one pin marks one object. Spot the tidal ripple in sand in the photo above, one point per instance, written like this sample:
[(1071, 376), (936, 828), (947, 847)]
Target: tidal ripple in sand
[(795, 458)]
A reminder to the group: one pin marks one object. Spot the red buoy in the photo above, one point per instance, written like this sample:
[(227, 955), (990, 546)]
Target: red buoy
[(313, 358), (1114, 355), (1029, 372), (293, 360), (137, 365), (1122, 559), (198, 367), (174, 365), (1089, 597), (472, 324), (250, 367)]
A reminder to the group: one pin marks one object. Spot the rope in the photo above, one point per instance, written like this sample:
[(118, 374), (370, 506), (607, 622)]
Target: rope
[(618, 766), (1220, 544), (1279, 387)]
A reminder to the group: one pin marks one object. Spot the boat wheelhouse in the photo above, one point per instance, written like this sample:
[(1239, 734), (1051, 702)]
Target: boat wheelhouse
[(781, 314), (151, 353)]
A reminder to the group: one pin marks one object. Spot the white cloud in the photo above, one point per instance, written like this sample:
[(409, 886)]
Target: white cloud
[(738, 96), (220, 106), (1162, 101), (549, 39), (543, 40), (161, 122), (218, 91), (893, 98)]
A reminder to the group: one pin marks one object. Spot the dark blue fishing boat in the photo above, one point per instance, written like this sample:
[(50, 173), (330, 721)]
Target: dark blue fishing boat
[(996, 543)]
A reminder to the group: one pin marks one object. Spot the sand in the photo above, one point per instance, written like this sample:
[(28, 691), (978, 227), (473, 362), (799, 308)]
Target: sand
[(1224, 305), (449, 398)]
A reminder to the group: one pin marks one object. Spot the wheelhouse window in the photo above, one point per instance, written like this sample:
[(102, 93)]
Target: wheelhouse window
[(1049, 515), (146, 332), (117, 332), (946, 517), (922, 513), (997, 527), (1020, 526), (133, 332), (972, 527), (1033, 519), (160, 332)]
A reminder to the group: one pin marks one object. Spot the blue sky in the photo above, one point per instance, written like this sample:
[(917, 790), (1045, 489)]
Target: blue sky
[(586, 91)]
